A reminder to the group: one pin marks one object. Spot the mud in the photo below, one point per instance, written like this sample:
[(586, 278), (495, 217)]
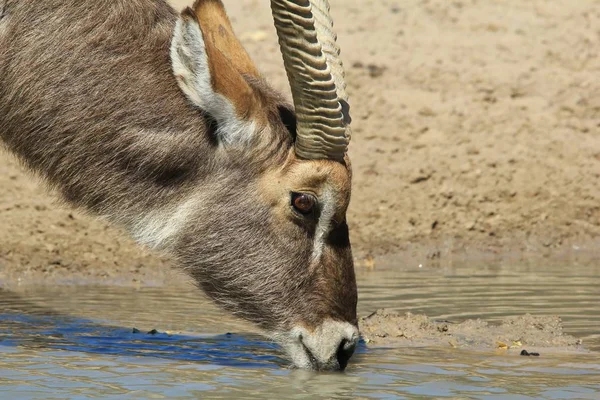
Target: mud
[(512, 335)]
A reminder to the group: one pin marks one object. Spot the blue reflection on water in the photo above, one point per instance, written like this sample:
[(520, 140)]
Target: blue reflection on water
[(81, 335)]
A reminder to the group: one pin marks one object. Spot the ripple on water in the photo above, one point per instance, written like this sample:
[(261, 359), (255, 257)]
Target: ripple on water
[(73, 342)]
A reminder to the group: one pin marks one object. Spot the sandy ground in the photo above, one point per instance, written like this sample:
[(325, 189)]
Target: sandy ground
[(476, 129)]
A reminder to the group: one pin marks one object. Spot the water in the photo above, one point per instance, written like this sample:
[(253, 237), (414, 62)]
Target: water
[(75, 342)]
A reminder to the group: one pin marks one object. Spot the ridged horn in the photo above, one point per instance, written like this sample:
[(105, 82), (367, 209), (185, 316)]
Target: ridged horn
[(316, 75)]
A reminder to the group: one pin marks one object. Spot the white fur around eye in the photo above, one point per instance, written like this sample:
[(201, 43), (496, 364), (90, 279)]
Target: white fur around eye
[(327, 202)]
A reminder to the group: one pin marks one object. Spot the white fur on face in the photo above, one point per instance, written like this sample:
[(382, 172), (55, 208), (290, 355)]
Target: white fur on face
[(158, 228), (190, 67), (327, 203)]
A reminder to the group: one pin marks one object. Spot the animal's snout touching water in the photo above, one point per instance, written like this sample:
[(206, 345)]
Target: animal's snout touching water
[(162, 124)]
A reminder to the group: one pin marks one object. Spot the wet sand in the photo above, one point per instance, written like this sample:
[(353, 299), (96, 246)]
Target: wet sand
[(525, 335)]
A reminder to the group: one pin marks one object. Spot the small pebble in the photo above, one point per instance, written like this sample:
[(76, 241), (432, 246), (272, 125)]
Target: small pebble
[(153, 332), (135, 330)]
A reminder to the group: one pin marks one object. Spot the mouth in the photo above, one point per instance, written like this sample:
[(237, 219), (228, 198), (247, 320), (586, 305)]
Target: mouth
[(327, 348)]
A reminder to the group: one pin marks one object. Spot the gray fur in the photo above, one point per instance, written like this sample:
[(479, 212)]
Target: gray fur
[(88, 101)]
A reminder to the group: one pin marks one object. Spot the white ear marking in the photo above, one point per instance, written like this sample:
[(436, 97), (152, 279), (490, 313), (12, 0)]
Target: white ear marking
[(191, 69), (190, 62)]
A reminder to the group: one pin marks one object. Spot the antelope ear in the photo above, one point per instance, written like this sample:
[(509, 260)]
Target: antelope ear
[(211, 67)]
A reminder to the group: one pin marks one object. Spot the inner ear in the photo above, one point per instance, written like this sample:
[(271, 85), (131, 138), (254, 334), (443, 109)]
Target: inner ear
[(213, 71), (227, 59), (288, 118)]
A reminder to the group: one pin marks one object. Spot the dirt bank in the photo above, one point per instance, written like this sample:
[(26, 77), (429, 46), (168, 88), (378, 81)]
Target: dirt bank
[(476, 129), (511, 335)]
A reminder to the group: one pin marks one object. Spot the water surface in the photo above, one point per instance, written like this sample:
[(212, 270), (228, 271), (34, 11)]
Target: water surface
[(79, 342)]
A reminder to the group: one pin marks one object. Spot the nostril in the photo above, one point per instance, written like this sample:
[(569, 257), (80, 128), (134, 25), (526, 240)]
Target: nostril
[(344, 352)]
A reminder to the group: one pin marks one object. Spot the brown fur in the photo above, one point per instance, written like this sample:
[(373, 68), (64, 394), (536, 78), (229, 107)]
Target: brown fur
[(219, 32), (88, 100)]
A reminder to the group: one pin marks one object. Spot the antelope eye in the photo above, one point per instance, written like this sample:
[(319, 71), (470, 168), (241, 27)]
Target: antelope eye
[(303, 203)]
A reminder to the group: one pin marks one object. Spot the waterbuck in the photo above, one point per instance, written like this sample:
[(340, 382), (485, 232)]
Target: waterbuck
[(162, 124)]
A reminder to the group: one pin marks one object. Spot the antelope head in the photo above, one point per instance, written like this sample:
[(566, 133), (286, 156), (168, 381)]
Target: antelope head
[(270, 243)]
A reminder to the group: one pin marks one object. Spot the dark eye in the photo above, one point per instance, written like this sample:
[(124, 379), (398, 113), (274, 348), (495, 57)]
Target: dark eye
[(303, 202)]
